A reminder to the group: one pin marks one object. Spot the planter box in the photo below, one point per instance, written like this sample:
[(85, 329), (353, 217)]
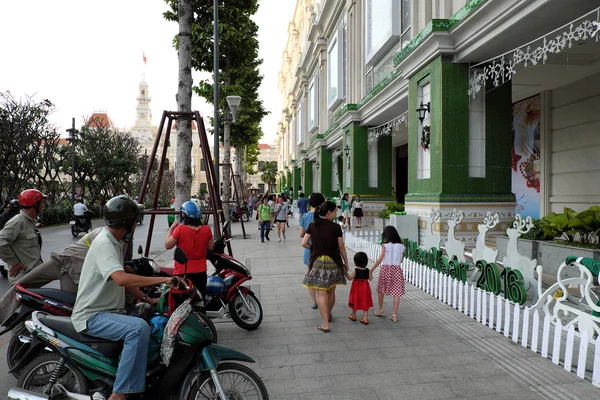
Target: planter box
[(548, 254)]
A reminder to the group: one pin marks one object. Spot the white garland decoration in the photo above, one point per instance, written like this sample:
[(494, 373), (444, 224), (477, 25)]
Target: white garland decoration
[(387, 128), (502, 68)]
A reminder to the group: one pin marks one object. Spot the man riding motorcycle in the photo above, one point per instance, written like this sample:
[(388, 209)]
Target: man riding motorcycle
[(81, 212), (11, 211), (101, 297), (20, 241)]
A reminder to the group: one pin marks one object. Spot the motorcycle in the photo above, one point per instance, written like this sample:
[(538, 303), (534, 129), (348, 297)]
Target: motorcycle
[(60, 303), (79, 365), (225, 295), (140, 217), (80, 224), (240, 213)]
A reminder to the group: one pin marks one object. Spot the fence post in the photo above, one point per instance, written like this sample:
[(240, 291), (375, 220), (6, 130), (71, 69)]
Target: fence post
[(535, 331), (499, 314), (516, 318), (557, 340), (569, 348), (454, 292), (472, 302), (546, 336), (492, 305), (466, 302), (525, 332), (484, 308), (582, 359), (596, 368), (460, 296), (506, 318)]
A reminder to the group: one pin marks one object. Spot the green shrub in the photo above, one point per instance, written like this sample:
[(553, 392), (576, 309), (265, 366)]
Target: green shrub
[(390, 208), (584, 226)]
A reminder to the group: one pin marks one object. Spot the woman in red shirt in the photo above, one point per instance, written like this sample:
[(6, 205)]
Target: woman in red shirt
[(194, 239)]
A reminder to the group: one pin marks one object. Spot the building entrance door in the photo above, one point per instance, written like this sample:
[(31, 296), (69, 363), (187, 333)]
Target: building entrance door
[(401, 184)]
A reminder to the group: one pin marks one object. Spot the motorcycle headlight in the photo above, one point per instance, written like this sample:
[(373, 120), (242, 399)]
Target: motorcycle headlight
[(18, 297)]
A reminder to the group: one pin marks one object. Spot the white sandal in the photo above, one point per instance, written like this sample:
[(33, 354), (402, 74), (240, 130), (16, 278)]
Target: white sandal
[(380, 313)]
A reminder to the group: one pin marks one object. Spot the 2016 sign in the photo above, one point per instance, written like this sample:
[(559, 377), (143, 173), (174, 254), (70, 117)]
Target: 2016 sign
[(509, 281), (491, 280)]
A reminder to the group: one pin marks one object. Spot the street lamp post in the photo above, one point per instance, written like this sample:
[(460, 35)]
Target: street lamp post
[(72, 134), (216, 92), (234, 103)]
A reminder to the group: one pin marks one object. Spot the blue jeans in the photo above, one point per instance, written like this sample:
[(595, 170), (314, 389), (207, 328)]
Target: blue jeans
[(265, 226), (131, 373)]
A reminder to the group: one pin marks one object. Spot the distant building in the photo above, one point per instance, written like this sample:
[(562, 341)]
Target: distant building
[(268, 153)]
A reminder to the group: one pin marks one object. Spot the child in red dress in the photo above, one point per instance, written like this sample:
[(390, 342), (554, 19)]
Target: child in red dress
[(360, 291)]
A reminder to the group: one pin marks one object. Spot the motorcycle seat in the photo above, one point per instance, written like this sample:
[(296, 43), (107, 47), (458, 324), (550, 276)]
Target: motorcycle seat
[(55, 294), (63, 325)]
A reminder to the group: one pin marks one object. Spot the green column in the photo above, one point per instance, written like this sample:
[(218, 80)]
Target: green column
[(296, 180), (325, 172), (307, 182), (359, 165), (449, 148)]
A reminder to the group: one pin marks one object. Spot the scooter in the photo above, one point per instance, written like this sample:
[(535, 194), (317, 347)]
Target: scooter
[(79, 365), (225, 295), (80, 224), (61, 303)]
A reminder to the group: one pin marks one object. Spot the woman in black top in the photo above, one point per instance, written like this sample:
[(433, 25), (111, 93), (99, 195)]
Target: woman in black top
[(328, 262)]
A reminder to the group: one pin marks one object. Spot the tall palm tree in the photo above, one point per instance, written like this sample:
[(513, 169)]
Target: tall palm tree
[(269, 173)]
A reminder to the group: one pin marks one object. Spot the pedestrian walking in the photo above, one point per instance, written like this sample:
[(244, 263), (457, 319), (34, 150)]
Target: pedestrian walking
[(316, 199), (281, 218), (346, 206), (264, 219), (360, 297), (358, 211), (391, 277), (328, 263), (302, 204), (251, 203)]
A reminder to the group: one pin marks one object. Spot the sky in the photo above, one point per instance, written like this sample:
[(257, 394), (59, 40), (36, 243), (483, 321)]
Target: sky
[(86, 56)]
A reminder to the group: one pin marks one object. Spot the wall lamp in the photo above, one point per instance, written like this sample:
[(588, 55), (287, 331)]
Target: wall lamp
[(317, 164), (347, 150), (426, 131)]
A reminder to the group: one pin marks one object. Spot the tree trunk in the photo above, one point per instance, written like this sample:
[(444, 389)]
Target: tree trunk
[(183, 171), (238, 172)]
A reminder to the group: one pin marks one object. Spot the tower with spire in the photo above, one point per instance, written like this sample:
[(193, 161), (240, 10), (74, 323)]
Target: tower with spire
[(143, 118)]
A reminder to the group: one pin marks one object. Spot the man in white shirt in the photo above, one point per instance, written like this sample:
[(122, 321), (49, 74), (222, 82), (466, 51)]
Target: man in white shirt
[(82, 212)]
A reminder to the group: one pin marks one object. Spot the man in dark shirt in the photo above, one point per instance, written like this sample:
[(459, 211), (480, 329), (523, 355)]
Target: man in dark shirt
[(11, 211)]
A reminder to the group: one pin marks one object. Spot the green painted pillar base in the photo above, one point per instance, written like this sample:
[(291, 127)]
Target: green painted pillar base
[(308, 174), (325, 172)]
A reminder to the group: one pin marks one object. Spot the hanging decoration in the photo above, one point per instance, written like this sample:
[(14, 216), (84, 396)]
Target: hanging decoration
[(501, 69), (387, 129)]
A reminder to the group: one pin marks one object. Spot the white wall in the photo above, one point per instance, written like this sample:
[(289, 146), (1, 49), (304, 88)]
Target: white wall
[(575, 145)]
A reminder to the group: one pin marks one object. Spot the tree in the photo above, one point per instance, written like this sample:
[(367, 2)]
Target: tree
[(29, 146), (106, 162), (238, 61), (269, 173)]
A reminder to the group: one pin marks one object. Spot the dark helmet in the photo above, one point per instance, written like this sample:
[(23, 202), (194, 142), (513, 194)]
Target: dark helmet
[(28, 198), (14, 204), (79, 199), (120, 212)]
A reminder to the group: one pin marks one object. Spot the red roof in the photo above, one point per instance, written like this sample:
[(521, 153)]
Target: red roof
[(264, 146), (99, 120)]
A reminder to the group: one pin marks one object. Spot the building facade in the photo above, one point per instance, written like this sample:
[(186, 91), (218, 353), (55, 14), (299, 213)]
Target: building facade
[(477, 105)]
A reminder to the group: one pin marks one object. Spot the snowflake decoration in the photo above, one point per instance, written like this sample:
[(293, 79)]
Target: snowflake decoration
[(498, 70)]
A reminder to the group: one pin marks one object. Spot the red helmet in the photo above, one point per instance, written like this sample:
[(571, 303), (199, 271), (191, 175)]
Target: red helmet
[(29, 197)]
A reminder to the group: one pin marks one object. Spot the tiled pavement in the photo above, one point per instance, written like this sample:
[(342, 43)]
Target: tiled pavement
[(433, 352)]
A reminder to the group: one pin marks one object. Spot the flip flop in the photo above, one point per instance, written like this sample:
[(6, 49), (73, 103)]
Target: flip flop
[(352, 317), (380, 313), (393, 318), (323, 329), (364, 321), (314, 306)]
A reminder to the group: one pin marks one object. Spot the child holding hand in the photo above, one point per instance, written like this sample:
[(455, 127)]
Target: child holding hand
[(391, 277), (360, 291)]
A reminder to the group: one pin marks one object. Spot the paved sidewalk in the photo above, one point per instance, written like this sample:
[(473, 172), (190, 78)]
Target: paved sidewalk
[(433, 352)]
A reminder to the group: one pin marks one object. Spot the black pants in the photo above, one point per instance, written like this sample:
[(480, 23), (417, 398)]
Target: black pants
[(198, 280)]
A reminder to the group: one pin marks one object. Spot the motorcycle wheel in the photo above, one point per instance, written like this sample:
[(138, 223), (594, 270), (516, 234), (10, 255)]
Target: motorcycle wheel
[(37, 374), (209, 325), (242, 316), (74, 231), (239, 382), (14, 348)]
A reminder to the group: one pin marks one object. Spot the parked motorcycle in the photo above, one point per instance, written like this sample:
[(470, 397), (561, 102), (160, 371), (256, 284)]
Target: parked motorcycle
[(80, 224), (225, 295), (80, 364), (240, 213), (60, 303)]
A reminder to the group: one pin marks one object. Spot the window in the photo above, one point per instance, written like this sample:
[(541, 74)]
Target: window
[(386, 21), (261, 165), (423, 156), (313, 104), (477, 135), (202, 165), (299, 125), (336, 68)]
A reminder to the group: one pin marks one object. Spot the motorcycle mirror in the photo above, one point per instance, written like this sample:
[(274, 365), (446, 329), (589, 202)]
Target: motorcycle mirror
[(180, 256), (140, 250)]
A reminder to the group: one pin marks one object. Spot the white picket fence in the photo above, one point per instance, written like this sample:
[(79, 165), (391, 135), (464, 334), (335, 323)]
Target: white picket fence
[(518, 323)]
